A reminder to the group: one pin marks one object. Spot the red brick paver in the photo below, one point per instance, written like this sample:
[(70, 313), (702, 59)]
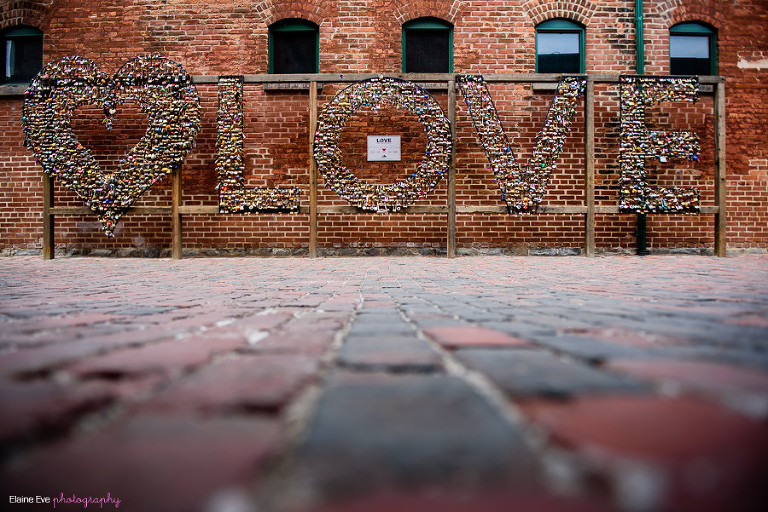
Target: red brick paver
[(454, 337), (715, 458)]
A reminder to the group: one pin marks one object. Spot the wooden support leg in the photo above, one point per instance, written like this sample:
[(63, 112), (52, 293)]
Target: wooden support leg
[(176, 216), (48, 225)]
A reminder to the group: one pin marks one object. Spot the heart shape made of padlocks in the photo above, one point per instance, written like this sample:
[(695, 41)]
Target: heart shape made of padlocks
[(163, 90)]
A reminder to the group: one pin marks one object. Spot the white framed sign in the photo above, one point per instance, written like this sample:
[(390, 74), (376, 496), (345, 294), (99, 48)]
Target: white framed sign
[(382, 148)]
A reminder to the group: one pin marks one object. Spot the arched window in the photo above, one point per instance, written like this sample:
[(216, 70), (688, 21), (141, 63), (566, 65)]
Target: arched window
[(559, 47), (427, 46), (692, 49), (22, 54), (293, 47)]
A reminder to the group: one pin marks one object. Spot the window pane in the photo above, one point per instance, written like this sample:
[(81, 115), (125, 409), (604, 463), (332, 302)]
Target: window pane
[(22, 56), (294, 51), (696, 47), (689, 55), (690, 67), (427, 51), (558, 42), (558, 52), (27, 58), (8, 73)]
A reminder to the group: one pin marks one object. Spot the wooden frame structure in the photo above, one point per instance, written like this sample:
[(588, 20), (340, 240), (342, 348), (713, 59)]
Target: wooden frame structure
[(588, 209)]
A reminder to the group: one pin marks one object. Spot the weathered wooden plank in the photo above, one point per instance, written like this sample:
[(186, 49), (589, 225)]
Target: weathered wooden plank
[(139, 210), (198, 209), (614, 210), (176, 235), (589, 169), (312, 171), (451, 242), (720, 172), (542, 209), (49, 244), (420, 77), (489, 208), (335, 209)]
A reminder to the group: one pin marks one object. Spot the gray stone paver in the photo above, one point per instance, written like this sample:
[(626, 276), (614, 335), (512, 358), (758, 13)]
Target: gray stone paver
[(389, 352), (301, 383), (525, 373), (409, 430)]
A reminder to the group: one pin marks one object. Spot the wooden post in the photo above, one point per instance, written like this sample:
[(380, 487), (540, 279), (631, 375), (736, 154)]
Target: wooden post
[(312, 170), (175, 215), (451, 243), (589, 169), (48, 225), (720, 171)]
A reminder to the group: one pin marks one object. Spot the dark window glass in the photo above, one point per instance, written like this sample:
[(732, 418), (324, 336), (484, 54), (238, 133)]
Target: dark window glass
[(689, 55), (558, 52), (692, 50), (427, 51), (294, 52), (22, 55), (427, 47), (559, 47), (293, 47)]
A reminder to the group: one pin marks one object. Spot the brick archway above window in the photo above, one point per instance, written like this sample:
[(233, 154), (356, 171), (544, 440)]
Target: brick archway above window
[(33, 13), (447, 10), (272, 11), (673, 12), (543, 10)]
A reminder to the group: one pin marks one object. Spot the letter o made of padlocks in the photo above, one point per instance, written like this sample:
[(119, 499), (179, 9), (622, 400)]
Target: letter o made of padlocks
[(375, 93)]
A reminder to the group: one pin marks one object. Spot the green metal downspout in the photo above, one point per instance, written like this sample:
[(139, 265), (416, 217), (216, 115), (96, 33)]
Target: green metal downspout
[(642, 246)]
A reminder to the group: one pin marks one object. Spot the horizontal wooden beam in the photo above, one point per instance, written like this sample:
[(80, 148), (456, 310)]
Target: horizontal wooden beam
[(614, 210), (328, 77), (198, 209), (82, 210), (337, 209), (420, 77), (503, 209)]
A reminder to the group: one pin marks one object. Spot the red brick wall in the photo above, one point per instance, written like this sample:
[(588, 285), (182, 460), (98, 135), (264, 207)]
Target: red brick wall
[(230, 37)]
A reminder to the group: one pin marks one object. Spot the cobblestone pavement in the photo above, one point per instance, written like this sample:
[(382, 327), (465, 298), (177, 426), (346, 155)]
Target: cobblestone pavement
[(384, 384)]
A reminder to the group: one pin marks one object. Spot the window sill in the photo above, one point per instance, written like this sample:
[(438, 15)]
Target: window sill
[(433, 86), (289, 86), (13, 89), (544, 86)]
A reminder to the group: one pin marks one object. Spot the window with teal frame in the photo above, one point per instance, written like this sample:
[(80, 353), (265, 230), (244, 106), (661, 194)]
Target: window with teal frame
[(294, 47), (692, 50), (427, 46), (22, 54), (559, 47)]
